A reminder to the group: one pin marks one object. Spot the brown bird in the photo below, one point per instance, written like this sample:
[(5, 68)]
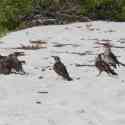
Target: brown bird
[(15, 63), (103, 66), (11, 62), (4, 67), (60, 69), (110, 57)]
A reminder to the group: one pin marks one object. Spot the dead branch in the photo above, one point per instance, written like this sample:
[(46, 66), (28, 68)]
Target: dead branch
[(83, 65)]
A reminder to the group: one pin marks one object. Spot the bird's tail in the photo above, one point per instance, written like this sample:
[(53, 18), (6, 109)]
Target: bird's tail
[(113, 72), (121, 63), (69, 78)]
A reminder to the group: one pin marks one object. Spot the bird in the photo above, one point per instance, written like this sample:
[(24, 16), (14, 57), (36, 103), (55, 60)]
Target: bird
[(101, 65), (109, 56), (15, 63), (4, 67), (11, 62), (60, 69)]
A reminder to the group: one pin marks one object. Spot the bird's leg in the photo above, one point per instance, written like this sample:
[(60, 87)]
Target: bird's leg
[(99, 73)]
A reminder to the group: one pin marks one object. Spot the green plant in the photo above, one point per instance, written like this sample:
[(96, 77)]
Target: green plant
[(104, 9), (11, 10)]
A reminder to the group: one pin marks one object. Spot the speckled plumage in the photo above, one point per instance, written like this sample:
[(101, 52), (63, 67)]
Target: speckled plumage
[(60, 69), (101, 65)]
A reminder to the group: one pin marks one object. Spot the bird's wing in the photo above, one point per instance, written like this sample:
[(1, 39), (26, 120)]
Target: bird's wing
[(114, 58), (108, 69), (61, 69)]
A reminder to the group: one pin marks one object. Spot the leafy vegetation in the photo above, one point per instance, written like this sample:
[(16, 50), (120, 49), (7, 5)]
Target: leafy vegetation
[(105, 9), (12, 11)]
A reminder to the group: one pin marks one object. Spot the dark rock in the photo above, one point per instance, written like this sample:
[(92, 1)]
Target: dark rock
[(38, 102), (40, 77), (42, 92)]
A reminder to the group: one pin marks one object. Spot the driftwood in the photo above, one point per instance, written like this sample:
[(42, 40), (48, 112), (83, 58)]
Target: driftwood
[(33, 46), (92, 65), (84, 65), (62, 45), (42, 92), (113, 46)]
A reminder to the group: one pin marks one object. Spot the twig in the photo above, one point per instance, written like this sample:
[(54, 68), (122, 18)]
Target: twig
[(88, 65), (42, 92)]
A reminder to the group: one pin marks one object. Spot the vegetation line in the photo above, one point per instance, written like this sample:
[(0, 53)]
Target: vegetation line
[(17, 14)]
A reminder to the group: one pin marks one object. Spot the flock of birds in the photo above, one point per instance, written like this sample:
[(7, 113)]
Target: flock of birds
[(107, 61), (104, 62)]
